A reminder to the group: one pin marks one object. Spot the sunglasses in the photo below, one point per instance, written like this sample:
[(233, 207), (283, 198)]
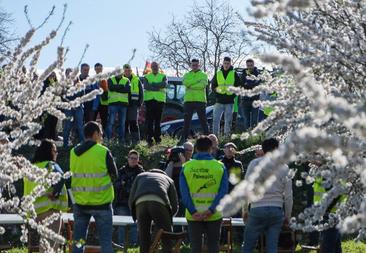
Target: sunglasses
[(133, 158)]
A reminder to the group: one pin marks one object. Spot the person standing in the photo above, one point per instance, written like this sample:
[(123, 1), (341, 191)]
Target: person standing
[(203, 183), (216, 151), (74, 116), (233, 166), (224, 79), (100, 103), (122, 187), (135, 101), (248, 113), (155, 84), (50, 123), (267, 215), (93, 171), (195, 82), (153, 197), (54, 200), (118, 93), (330, 239), (88, 105), (174, 167)]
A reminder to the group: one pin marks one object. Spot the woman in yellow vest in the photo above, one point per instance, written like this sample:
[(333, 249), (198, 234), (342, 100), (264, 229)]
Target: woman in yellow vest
[(55, 198)]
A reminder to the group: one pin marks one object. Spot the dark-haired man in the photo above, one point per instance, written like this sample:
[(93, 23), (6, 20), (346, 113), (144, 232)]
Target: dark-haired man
[(74, 116), (248, 113), (93, 171), (266, 215), (100, 103), (88, 105), (224, 79), (195, 82), (118, 94), (203, 183)]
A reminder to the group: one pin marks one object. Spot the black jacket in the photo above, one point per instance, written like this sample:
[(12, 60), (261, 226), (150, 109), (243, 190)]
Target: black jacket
[(250, 84), (235, 167), (221, 98), (123, 185), (154, 182), (111, 168)]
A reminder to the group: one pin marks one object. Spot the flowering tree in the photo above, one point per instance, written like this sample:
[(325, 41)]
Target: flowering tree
[(320, 111), (209, 31), (22, 102)]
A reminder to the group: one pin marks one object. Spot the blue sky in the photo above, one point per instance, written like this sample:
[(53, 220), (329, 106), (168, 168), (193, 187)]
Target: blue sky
[(112, 28)]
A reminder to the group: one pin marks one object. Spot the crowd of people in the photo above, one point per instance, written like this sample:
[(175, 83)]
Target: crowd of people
[(191, 182), (123, 96)]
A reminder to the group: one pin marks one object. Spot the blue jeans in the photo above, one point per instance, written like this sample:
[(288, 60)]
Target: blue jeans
[(331, 241), (227, 110), (267, 220), (248, 114), (74, 117), (104, 224), (113, 110), (125, 210)]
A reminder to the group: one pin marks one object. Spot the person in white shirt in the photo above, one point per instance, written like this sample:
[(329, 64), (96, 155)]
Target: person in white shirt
[(273, 210)]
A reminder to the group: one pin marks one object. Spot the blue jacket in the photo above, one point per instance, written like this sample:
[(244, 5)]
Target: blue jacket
[(184, 189)]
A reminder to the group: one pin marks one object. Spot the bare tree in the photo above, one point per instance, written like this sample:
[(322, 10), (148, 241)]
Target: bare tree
[(209, 31), (6, 35)]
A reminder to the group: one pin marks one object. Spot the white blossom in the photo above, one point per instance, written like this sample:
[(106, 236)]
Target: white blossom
[(319, 113)]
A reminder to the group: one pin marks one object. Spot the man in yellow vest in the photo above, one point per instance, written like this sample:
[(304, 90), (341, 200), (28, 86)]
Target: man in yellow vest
[(93, 171), (118, 93), (135, 101), (155, 84), (225, 78), (330, 238), (195, 82), (203, 183)]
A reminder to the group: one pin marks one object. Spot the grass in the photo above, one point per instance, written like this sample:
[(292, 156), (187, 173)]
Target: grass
[(347, 247)]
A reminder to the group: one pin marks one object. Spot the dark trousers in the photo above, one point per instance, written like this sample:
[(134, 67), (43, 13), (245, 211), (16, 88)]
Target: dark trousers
[(189, 109), (103, 114), (132, 127), (50, 125), (211, 228), (154, 110), (88, 112), (149, 211), (331, 241)]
